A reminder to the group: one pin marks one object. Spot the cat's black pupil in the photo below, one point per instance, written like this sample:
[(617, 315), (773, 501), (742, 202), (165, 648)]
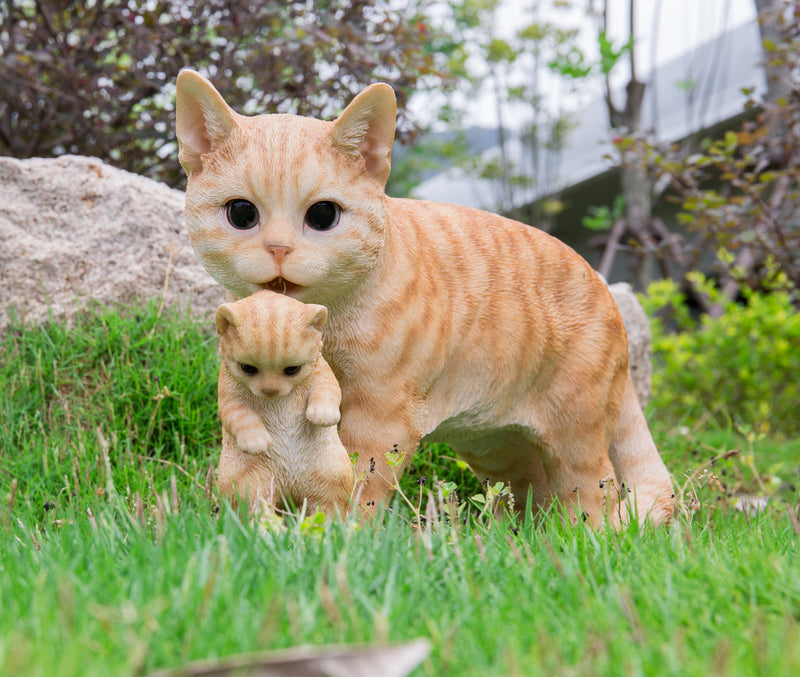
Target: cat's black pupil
[(242, 214), (291, 371), (323, 215), (249, 369)]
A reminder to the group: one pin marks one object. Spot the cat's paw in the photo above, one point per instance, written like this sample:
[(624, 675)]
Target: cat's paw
[(254, 442), (322, 414)]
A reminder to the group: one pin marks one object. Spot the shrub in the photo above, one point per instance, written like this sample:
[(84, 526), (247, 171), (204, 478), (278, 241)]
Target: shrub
[(97, 78), (743, 365)]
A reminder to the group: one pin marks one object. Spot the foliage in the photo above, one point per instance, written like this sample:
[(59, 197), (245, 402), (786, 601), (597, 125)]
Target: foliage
[(755, 213), (741, 366), (434, 463), (738, 194), (98, 78), (603, 217)]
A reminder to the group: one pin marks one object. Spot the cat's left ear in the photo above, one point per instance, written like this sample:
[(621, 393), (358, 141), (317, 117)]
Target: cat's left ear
[(203, 121), (225, 317), (317, 316), (366, 129)]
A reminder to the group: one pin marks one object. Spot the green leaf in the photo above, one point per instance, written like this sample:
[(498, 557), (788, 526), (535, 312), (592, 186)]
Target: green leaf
[(608, 55), (571, 64), (499, 50)]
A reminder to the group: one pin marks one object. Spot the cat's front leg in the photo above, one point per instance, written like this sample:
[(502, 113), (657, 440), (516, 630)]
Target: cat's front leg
[(385, 447), (324, 397)]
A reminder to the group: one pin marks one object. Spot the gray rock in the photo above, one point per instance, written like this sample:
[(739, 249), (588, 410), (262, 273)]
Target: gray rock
[(73, 229), (637, 325)]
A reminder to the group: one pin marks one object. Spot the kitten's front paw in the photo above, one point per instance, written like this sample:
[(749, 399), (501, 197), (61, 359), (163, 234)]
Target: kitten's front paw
[(322, 414), (254, 442)]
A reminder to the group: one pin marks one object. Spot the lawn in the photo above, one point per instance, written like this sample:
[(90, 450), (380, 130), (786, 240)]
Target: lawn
[(117, 557)]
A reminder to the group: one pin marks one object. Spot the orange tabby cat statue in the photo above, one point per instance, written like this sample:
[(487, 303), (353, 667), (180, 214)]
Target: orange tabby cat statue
[(279, 406), (445, 323)]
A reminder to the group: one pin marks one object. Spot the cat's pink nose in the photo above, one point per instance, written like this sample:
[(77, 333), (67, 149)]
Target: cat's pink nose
[(279, 252), (269, 392)]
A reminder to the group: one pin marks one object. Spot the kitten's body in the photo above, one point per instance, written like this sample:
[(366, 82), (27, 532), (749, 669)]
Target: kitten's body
[(279, 440), (446, 323)]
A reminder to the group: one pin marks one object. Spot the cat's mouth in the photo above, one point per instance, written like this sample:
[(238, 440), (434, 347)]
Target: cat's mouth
[(281, 285)]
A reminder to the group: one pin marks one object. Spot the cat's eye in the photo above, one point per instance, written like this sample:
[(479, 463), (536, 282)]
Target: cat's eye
[(249, 369), (291, 371), (323, 215), (241, 214)]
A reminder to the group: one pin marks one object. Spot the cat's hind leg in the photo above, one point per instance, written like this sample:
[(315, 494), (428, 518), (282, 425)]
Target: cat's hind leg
[(507, 456), (582, 481), (638, 465), (581, 476)]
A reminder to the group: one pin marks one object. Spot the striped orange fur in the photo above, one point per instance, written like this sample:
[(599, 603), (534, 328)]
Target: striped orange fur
[(279, 406), (445, 323)]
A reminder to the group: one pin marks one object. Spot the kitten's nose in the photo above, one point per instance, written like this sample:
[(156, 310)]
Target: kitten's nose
[(269, 392), (279, 252)]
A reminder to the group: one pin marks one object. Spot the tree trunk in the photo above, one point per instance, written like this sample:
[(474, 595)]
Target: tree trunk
[(778, 74), (635, 183)]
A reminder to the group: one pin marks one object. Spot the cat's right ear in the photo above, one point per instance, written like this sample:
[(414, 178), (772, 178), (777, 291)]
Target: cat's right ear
[(203, 121), (226, 317), (365, 130)]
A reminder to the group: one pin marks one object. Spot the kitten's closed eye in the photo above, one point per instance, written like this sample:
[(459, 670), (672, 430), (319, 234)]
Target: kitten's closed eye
[(248, 369), (291, 371)]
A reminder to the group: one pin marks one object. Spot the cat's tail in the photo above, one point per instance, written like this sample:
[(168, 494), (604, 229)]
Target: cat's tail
[(642, 475)]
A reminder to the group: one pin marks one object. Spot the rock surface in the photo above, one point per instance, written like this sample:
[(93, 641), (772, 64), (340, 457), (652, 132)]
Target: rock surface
[(637, 325), (74, 228)]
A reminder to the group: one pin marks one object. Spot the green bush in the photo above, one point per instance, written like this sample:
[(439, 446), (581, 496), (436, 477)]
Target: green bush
[(743, 365)]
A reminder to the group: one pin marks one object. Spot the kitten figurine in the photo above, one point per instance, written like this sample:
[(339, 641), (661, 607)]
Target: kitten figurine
[(445, 323), (279, 406)]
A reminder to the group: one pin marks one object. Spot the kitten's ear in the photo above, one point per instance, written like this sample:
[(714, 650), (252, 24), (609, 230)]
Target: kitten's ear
[(226, 316), (317, 316), (202, 119), (366, 129)]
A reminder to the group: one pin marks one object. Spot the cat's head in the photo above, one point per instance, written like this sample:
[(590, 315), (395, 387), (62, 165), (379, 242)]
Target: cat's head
[(270, 342), (282, 202)]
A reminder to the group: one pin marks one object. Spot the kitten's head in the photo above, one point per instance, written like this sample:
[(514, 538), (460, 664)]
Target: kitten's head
[(281, 202), (270, 342)]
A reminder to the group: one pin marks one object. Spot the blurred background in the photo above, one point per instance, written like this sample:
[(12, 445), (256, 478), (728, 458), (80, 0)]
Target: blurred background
[(657, 138)]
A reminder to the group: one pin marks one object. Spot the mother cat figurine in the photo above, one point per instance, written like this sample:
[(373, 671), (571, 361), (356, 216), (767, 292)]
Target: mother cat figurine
[(445, 323)]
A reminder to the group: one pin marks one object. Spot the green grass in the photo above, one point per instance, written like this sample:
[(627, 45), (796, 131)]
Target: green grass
[(116, 556)]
